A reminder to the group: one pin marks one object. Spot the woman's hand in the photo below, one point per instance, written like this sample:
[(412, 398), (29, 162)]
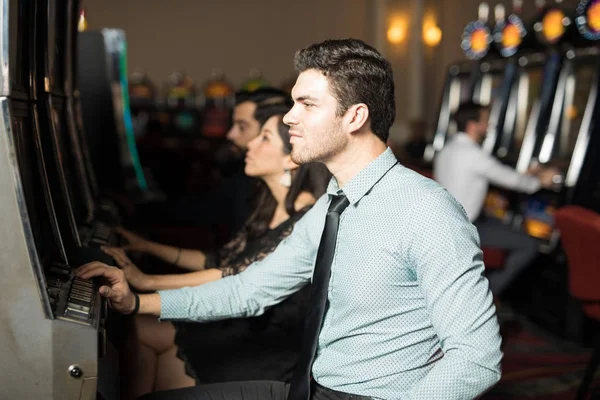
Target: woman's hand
[(134, 276), (134, 241)]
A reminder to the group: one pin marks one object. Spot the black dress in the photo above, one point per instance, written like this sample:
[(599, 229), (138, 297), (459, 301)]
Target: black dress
[(241, 349)]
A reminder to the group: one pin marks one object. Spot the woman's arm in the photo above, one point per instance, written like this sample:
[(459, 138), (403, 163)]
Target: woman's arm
[(192, 260), (150, 283)]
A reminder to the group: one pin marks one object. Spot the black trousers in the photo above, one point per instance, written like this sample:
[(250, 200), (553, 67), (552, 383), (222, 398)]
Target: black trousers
[(251, 390)]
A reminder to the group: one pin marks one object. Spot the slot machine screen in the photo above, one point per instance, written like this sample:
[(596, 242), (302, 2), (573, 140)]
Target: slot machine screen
[(465, 90), (57, 44), (538, 216), (497, 203), (44, 235), (18, 53), (491, 83), (116, 47), (98, 115), (129, 131), (535, 79), (497, 78), (69, 165), (582, 81), (461, 91)]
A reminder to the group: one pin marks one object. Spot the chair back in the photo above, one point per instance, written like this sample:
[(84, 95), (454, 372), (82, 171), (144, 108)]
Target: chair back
[(580, 236)]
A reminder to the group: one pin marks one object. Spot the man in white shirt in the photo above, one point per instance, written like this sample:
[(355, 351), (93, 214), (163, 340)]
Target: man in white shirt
[(466, 171)]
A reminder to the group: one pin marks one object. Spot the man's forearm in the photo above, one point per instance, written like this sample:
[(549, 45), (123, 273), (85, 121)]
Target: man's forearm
[(176, 281), (454, 378), (506, 177), (150, 304)]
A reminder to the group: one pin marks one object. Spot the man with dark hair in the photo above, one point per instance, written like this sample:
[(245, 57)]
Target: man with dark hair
[(399, 306), (230, 204), (245, 127), (472, 112), (466, 171)]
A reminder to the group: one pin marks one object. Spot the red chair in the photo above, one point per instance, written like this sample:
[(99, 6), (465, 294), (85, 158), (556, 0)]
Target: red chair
[(580, 236), (493, 258)]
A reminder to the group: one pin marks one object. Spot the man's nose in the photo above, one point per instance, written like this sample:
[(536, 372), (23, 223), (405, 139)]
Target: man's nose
[(231, 134), (290, 118)]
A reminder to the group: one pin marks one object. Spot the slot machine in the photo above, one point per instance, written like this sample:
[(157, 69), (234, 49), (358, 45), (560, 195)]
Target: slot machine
[(509, 35), (76, 23), (218, 107), (106, 114), (181, 101), (52, 324), (465, 81), (71, 190), (143, 96), (531, 101), (568, 143), (551, 30)]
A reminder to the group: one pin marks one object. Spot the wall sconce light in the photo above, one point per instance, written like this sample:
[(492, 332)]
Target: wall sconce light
[(396, 33), (432, 35), (82, 24)]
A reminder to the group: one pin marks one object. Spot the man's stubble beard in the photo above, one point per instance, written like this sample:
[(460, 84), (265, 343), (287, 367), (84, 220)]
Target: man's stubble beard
[(327, 145)]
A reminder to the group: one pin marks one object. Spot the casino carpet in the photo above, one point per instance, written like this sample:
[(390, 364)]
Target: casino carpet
[(539, 366)]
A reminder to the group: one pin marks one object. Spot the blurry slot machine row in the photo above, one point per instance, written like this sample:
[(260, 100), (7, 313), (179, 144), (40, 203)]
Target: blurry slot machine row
[(540, 81), (181, 109), (54, 209)]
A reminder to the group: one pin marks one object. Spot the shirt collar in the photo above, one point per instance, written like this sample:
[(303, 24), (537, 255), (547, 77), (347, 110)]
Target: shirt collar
[(362, 182), (463, 137)]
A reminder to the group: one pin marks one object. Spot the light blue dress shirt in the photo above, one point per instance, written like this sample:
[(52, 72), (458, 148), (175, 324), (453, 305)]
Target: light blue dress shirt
[(410, 314)]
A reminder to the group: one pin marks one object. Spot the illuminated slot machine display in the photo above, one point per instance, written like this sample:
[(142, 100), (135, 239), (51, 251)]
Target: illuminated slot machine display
[(531, 101), (106, 113), (181, 105), (551, 30), (142, 95), (255, 80), (116, 46), (51, 323), (470, 80), (570, 140), (218, 97), (509, 34)]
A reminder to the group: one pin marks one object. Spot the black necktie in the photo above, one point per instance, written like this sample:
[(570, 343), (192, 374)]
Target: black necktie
[(300, 385)]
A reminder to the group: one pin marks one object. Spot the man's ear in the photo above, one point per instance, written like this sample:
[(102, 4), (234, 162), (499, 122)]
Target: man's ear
[(356, 117)]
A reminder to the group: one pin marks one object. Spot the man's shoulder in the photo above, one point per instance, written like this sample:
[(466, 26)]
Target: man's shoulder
[(464, 153), (408, 183), (461, 144), (412, 189)]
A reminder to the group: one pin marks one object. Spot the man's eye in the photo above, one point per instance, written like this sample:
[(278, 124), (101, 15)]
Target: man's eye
[(308, 105)]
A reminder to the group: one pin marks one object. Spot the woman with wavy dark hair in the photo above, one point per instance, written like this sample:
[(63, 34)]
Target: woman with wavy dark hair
[(176, 355)]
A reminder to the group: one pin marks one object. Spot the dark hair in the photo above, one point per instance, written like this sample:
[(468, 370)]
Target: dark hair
[(261, 95), (467, 111), (265, 111), (311, 177), (356, 73)]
